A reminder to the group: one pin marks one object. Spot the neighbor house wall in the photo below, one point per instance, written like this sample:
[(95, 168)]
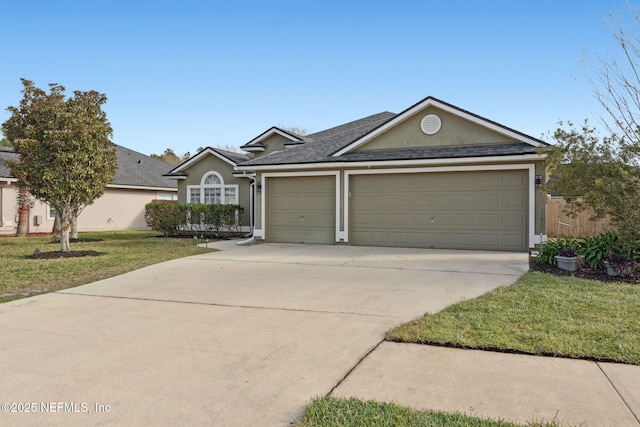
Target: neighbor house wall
[(118, 209), (8, 205)]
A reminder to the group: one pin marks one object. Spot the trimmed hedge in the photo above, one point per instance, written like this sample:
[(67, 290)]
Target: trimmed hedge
[(175, 219)]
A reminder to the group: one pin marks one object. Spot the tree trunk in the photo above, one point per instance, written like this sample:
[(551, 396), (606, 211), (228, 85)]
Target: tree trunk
[(23, 221), (74, 227), (64, 230), (57, 227)]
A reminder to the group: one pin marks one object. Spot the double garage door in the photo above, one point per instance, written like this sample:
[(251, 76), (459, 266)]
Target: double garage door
[(457, 210)]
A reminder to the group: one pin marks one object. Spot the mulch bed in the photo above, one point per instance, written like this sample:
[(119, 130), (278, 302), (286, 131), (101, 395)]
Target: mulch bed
[(81, 240), (38, 254), (584, 273), (58, 254)]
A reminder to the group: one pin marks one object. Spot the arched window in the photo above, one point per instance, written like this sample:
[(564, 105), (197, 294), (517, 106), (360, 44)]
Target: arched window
[(212, 191)]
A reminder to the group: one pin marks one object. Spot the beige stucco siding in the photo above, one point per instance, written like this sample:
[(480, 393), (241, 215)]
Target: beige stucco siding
[(116, 209), (455, 131)]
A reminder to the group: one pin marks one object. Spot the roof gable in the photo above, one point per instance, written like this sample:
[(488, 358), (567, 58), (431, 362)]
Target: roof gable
[(227, 156), (430, 103), (257, 143)]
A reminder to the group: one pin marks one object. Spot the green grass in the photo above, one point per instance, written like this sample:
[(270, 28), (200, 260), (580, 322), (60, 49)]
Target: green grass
[(124, 251), (331, 411), (540, 314)]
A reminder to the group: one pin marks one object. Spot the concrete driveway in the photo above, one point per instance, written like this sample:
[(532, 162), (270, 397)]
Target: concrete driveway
[(245, 336)]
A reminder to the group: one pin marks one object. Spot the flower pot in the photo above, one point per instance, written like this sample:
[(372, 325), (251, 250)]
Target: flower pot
[(611, 270), (567, 263)]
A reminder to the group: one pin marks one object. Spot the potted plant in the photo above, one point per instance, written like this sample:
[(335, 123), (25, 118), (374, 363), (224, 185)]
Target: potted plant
[(567, 259), (613, 262)]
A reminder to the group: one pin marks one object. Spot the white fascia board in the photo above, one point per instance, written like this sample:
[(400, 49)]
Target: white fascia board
[(530, 168), (199, 156), (137, 187), (8, 181), (428, 103), (263, 197), (382, 163), (268, 133)]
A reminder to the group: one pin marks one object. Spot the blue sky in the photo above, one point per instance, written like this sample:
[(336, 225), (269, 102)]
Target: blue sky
[(187, 74)]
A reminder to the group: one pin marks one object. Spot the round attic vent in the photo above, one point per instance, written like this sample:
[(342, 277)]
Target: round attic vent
[(430, 124)]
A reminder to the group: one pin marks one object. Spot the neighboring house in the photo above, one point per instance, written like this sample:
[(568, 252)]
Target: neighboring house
[(138, 181), (433, 176), (211, 177)]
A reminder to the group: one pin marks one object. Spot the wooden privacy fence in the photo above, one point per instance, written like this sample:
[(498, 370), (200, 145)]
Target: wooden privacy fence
[(560, 224)]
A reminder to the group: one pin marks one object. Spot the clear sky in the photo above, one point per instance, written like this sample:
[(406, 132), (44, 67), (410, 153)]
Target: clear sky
[(185, 74)]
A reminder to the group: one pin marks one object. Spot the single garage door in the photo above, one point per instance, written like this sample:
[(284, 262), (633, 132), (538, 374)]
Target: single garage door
[(301, 209), (457, 210)]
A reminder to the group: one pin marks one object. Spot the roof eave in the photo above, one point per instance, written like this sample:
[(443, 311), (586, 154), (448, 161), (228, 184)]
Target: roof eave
[(412, 162)]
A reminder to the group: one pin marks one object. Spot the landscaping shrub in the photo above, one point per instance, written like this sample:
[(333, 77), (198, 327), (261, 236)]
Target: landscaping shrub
[(629, 268), (173, 219), (551, 248), (596, 249)]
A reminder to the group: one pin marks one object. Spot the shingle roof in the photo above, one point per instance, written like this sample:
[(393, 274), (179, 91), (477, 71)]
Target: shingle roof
[(139, 170), (134, 169), (233, 156), (448, 152), (321, 144), (324, 146), (6, 154)]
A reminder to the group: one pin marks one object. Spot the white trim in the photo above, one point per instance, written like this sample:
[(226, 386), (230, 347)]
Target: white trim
[(529, 167), (222, 187), (206, 175), (9, 181), (268, 133), (198, 156), (428, 102), (136, 187), (383, 163), (263, 198), (254, 149)]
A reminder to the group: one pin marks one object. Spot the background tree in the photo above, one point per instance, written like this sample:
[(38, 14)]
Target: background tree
[(603, 173), (169, 156), (66, 155), (4, 142)]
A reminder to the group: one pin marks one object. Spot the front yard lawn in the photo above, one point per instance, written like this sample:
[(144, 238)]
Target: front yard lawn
[(123, 251), (331, 411), (540, 314)]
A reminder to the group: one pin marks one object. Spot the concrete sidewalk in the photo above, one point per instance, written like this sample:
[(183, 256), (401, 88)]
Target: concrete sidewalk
[(513, 387)]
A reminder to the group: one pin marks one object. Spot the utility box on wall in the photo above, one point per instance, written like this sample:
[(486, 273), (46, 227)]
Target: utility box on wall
[(37, 220)]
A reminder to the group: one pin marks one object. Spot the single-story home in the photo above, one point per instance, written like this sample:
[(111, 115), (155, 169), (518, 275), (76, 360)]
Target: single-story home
[(432, 176), (138, 181)]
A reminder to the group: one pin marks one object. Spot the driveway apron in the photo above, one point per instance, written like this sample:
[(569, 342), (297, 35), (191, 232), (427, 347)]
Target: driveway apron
[(244, 336)]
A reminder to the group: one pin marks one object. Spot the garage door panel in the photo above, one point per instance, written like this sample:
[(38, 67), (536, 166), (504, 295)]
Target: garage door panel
[(301, 209), (465, 210)]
